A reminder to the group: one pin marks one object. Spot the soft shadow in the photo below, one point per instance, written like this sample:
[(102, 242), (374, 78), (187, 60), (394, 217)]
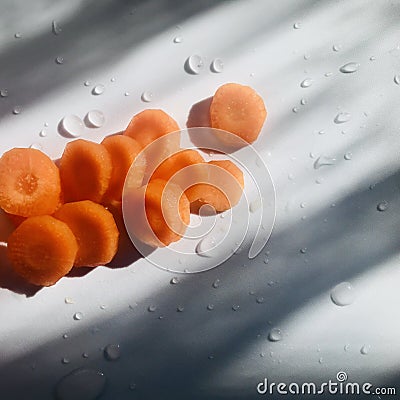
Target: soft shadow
[(199, 114)]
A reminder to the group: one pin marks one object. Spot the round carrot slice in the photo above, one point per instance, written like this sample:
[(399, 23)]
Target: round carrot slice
[(222, 190), (95, 231), (29, 183), (123, 151), (157, 214), (42, 250), (85, 170), (238, 109)]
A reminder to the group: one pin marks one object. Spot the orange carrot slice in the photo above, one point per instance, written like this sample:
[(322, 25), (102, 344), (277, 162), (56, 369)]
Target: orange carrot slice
[(85, 170), (123, 151), (222, 190), (95, 231), (238, 109), (42, 250), (157, 214), (29, 183)]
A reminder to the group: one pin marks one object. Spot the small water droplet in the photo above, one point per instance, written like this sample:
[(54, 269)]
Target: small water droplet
[(297, 25), (65, 336), (205, 245), (291, 177), (262, 355), (95, 119), (216, 283), (3, 92), (82, 383), (255, 205), (235, 307), (306, 57), (303, 205), (98, 90), (275, 335), (327, 74), (346, 347), (86, 83), (320, 360), (396, 79), (194, 64), (18, 35), (342, 117), (210, 307), (180, 308), (304, 217), (323, 161), (152, 308), (319, 181), (42, 133), (365, 349), (343, 294), (217, 65), (177, 39), (210, 357), (36, 146), (65, 360), (78, 316), (295, 109), (306, 83), (303, 102), (348, 156), (132, 386), (321, 132), (68, 300), (71, 126), (55, 27), (59, 60), (382, 206), (103, 307), (349, 67), (85, 355), (174, 280), (372, 58), (303, 250), (113, 79), (336, 47), (126, 94), (17, 110), (112, 352), (147, 96), (260, 300)]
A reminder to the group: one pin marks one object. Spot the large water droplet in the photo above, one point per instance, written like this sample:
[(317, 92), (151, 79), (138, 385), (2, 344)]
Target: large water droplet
[(71, 126), (217, 65), (112, 352), (396, 79), (349, 67), (365, 349), (343, 294), (324, 161), (382, 206), (95, 119), (55, 27), (78, 316), (194, 64), (98, 90), (81, 384), (3, 93), (342, 117), (306, 83), (147, 96), (275, 335), (205, 245)]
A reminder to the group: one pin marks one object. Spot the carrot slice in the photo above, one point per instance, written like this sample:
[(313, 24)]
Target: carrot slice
[(42, 250), (157, 214), (123, 151), (29, 183), (238, 109), (222, 190), (85, 170), (95, 231)]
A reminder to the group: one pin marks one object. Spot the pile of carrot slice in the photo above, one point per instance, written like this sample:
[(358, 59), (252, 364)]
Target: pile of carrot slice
[(61, 212)]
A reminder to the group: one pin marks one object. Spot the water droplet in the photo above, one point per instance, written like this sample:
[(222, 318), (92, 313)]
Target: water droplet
[(342, 117), (333, 205), (319, 181), (17, 110), (303, 102), (396, 79), (303, 250), (95, 119), (291, 177), (306, 57), (327, 74), (372, 58), (98, 90), (304, 217), (132, 386), (346, 347), (36, 146), (68, 300), (65, 336), (295, 109), (174, 280), (59, 60), (312, 155), (112, 352), (235, 307), (103, 307), (194, 64), (343, 294), (56, 29), (323, 161), (42, 133), (303, 205), (152, 308), (321, 132), (178, 39), (85, 355), (217, 65), (210, 357), (71, 126), (297, 25), (255, 205), (275, 335), (348, 156), (18, 35), (78, 316), (260, 300), (349, 67), (112, 79), (262, 355), (336, 47), (86, 83), (126, 94), (147, 96), (205, 245), (365, 349), (382, 206), (3, 93), (306, 83), (81, 384), (65, 360), (320, 360), (180, 308), (216, 283)]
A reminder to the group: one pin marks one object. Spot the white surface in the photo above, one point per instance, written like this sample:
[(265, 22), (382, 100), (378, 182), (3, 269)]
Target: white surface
[(168, 358)]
